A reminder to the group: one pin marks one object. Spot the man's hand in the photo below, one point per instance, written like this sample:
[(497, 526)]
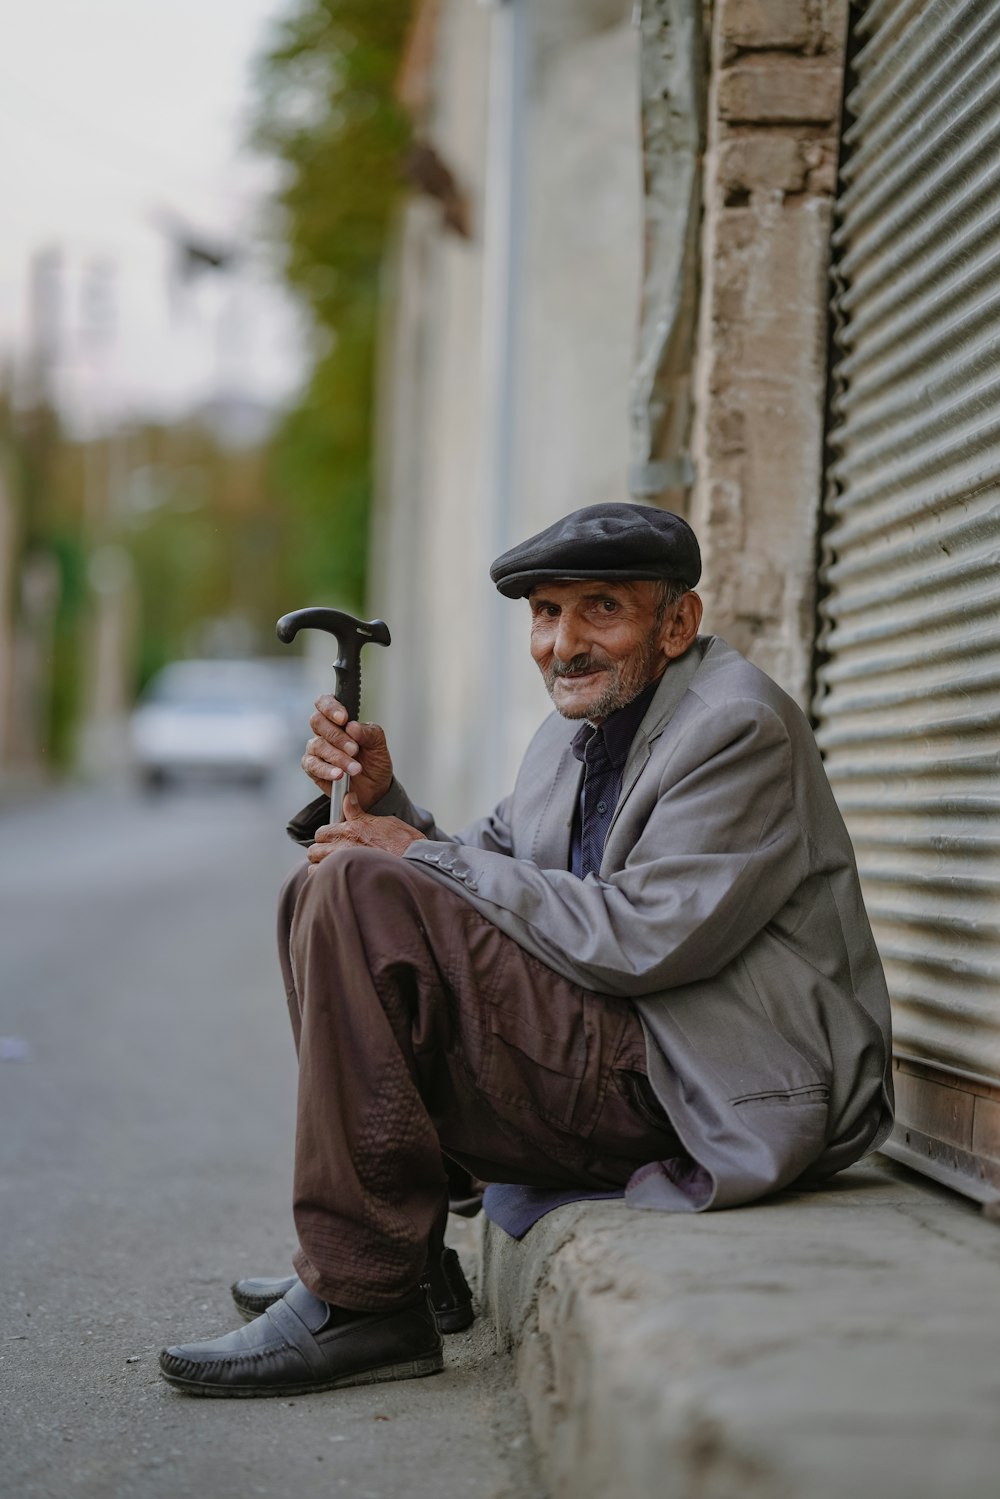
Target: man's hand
[(361, 830), (339, 748)]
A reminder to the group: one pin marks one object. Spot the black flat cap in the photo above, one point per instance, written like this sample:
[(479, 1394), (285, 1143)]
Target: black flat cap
[(620, 542)]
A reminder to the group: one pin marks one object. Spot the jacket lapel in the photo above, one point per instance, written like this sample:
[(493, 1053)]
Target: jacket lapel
[(551, 846), (676, 681)]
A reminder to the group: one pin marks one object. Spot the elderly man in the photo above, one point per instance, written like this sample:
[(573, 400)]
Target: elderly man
[(650, 967)]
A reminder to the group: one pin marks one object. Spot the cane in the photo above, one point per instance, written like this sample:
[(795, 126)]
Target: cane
[(352, 635)]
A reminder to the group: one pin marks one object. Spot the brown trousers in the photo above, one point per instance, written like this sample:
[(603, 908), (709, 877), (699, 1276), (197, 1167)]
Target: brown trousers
[(420, 1029)]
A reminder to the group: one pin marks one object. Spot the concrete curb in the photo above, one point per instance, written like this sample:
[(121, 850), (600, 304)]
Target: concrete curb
[(817, 1345)]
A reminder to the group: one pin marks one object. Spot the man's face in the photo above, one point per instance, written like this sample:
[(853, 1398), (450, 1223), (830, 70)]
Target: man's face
[(597, 644)]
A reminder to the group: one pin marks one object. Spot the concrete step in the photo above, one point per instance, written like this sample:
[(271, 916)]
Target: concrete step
[(818, 1345)]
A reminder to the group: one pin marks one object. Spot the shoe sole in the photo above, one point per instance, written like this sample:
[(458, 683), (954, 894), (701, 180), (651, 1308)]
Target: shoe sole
[(416, 1368)]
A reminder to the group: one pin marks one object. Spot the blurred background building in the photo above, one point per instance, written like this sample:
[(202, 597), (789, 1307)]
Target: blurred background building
[(548, 253)]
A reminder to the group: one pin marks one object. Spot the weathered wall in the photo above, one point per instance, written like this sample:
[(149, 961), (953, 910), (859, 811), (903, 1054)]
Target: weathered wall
[(673, 85), (457, 690), (429, 529), (582, 263), (774, 115)]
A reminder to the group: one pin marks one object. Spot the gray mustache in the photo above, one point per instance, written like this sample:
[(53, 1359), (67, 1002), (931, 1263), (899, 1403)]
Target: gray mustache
[(576, 666)]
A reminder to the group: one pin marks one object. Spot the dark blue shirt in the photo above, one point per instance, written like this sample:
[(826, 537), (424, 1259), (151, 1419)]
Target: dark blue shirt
[(603, 751)]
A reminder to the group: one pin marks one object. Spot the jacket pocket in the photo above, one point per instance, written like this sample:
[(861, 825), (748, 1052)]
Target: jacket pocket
[(812, 1093)]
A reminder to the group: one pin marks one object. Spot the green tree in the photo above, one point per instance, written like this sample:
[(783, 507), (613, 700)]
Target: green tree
[(206, 541), (48, 523), (329, 112)]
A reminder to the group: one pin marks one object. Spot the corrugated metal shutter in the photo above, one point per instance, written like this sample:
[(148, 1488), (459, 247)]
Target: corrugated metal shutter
[(909, 697)]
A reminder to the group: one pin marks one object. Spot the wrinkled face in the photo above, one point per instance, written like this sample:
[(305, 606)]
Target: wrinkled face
[(598, 644)]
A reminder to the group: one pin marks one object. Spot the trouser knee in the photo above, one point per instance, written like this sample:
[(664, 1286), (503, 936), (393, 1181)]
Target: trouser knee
[(354, 883)]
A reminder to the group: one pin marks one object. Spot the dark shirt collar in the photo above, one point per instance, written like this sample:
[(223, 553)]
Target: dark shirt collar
[(619, 730)]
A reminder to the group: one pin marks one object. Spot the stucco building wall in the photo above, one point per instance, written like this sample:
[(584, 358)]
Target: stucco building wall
[(458, 689)]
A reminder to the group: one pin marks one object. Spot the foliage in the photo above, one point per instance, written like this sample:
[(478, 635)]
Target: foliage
[(206, 544), (328, 111), (194, 517), (47, 525), (215, 534)]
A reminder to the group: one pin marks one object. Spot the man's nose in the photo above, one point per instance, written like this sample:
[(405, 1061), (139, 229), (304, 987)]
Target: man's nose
[(571, 639)]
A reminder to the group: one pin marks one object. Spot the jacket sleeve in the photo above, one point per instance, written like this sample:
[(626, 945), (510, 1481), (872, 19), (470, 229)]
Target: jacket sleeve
[(720, 851)]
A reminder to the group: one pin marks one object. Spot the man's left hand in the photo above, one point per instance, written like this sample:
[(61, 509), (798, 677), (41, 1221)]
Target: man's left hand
[(362, 830)]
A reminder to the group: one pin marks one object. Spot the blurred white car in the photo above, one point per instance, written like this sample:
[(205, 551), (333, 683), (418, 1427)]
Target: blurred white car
[(234, 720)]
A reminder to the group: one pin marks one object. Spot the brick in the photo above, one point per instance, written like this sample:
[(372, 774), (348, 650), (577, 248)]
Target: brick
[(821, 160), (833, 26), (770, 90), (769, 161), (766, 23), (730, 429)]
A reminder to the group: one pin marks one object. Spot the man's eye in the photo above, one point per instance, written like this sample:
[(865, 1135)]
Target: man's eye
[(609, 606)]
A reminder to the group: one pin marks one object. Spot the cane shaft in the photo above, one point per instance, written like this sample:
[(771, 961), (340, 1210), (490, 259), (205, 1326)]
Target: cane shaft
[(337, 800)]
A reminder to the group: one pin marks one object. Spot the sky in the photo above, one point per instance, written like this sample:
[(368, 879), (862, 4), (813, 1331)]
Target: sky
[(114, 113)]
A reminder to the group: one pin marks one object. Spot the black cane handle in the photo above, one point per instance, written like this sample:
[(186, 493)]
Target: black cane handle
[(352, 636)]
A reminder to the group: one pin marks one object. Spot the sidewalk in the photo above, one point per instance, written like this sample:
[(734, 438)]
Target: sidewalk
[(816, 1346)]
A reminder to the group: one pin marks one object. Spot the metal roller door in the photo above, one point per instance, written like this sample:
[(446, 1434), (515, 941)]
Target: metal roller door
[(908, 698)]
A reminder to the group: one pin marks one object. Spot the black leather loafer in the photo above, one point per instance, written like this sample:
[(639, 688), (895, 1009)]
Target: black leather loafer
[(300, 1345), (255, 1295), (445, 1280), (449, 1291)]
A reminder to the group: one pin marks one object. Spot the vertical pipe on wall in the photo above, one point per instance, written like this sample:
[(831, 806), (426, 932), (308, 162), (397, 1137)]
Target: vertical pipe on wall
[(502, 251)]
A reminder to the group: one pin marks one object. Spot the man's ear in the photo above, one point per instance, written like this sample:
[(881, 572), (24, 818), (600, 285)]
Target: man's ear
[(681, 626)]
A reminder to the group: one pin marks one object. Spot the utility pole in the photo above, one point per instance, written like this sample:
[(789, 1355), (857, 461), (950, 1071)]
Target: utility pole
[(108, 664), (38, 600)]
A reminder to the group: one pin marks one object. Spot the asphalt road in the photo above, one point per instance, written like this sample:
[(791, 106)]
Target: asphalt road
[(146, 1093)]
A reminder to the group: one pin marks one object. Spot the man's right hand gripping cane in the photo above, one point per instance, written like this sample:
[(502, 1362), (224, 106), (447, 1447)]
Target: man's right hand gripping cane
[(359, 751)]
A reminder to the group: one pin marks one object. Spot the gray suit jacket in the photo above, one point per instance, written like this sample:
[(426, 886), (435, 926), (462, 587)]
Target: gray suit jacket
[(727, 909)]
